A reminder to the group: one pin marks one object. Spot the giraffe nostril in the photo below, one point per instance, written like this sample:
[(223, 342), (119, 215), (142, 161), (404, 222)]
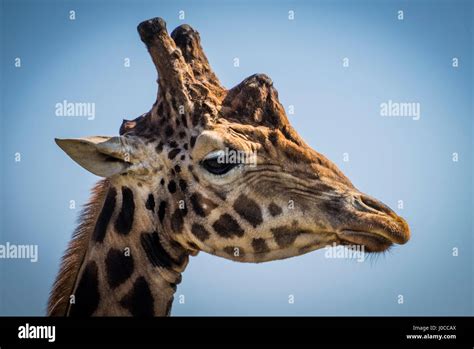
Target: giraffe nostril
[(376, 205)]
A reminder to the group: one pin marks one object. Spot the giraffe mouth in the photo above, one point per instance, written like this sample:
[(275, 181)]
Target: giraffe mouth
[(373, 225), (383, 231), (372, 242)]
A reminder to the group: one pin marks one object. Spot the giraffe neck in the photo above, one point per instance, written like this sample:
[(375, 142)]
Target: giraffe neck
[(131, 266)]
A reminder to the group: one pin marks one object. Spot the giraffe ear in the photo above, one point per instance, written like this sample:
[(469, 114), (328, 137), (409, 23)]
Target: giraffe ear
[(103, 156)]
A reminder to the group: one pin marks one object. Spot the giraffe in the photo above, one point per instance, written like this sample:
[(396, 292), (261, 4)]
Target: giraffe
[(167, 193)]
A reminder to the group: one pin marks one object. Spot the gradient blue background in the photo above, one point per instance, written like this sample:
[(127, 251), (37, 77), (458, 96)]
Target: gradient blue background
[(336, 111)]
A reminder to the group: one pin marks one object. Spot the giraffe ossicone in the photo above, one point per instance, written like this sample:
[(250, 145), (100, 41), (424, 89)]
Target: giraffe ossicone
[(167, 195)]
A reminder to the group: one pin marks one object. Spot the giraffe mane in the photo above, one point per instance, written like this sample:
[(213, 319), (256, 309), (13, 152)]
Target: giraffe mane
[(58, 302)]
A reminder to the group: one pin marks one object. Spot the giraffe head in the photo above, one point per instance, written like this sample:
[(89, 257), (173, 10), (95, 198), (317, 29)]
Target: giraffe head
[(224, 172)]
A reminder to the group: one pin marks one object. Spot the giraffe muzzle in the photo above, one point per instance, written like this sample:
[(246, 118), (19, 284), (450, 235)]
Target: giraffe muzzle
[(374, 225)]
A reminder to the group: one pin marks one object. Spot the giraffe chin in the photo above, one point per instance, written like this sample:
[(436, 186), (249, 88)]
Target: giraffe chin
[(372, 242)]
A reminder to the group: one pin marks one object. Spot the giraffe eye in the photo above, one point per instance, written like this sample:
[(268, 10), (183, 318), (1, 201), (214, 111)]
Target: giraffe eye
[(218, 164)]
